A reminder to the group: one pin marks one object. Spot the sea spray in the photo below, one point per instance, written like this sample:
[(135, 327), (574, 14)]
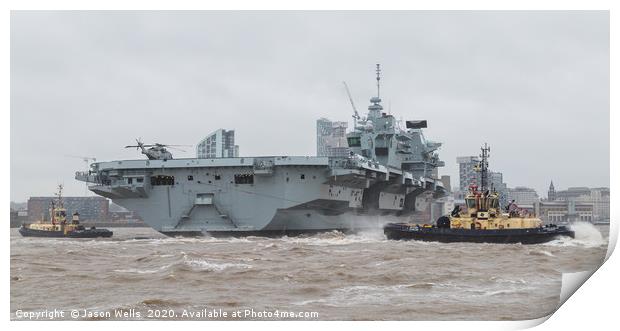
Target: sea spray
[(587, 234), (370, 227)]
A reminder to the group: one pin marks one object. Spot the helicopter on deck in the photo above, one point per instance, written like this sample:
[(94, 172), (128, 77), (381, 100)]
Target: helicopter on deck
[(155, 151)]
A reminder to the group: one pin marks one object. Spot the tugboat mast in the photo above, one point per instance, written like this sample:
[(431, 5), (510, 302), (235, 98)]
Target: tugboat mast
[(484, 167), (59, 197)]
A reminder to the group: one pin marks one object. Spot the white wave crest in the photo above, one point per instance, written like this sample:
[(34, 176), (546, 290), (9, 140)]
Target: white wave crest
[(206, 265)]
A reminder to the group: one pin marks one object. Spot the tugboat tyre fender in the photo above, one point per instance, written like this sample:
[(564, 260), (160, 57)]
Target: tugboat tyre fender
[(443, 222)]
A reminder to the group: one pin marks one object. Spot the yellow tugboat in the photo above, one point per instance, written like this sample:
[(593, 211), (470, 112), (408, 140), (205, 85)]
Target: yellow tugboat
[(58, 226), (482, 221)]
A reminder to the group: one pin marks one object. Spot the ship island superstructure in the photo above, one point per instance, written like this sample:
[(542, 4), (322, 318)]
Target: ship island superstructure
[(390, 171)]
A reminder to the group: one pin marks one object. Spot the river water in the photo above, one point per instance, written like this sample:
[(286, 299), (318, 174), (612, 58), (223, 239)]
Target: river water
[(141, 274)]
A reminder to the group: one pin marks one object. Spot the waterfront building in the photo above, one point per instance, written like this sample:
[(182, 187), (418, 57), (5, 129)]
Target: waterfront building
[(220, 143), (467, 175), (496, 180), (19, 213), (18, 217), (563, 211), (573, 193), (522, 195), (600, 203), (90, 208), (331, 138), (597, 197)]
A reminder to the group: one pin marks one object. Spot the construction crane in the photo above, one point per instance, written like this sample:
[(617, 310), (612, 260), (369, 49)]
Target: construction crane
[(356, 115)]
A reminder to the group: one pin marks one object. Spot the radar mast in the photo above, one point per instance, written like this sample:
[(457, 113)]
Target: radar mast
[(378, 81), (483, 167), (374, 110)]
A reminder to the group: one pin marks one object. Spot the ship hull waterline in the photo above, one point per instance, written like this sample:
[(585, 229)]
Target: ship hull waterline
[(299, 224), (256, 233)]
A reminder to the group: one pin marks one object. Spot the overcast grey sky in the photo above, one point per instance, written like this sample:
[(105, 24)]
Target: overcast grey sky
[(534, 85)]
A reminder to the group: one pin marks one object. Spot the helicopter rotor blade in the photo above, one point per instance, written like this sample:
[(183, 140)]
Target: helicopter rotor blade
[(130, 146), (175, 148), (166, 145)]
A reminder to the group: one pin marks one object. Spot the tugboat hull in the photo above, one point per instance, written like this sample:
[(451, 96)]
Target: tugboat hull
[(86, 233), (401, 231)]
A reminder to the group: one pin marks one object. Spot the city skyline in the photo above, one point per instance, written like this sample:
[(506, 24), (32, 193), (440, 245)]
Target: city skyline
[(108, 78)]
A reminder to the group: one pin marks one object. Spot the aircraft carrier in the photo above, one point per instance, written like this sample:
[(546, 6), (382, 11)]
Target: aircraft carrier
[(390, 174)]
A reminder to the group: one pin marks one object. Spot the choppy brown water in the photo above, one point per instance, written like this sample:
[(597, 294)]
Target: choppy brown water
[(342, 277)]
